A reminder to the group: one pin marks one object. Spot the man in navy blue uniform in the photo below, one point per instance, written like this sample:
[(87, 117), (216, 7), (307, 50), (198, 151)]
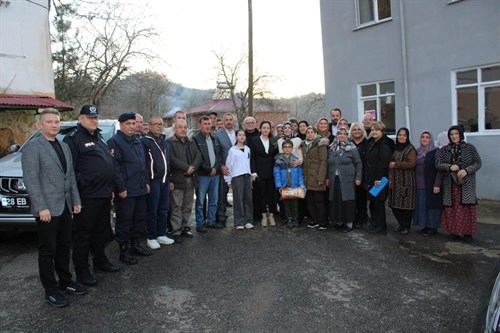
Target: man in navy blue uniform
[(94, 176), (158, 164), (131, 188)]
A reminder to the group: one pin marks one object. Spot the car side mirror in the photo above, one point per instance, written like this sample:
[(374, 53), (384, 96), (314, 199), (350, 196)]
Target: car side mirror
[(13, 148)]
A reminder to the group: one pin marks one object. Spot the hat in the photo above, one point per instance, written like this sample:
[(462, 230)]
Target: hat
[(89, 110), (208, 113), (126, 116)]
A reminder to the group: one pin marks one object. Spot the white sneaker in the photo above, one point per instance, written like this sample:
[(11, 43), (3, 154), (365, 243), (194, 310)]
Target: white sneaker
[(249, 226), (240, 227), (153, 244), (165, 240)]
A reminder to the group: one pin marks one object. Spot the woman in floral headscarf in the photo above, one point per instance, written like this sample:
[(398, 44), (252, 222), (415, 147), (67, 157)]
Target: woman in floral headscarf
[(428, 205), (459, 162)]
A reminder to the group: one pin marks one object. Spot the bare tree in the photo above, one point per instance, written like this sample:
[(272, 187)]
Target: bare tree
[(231, 86), (90, 58)]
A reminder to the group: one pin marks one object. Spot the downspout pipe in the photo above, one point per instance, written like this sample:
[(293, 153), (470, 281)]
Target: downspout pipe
[(405, 64)]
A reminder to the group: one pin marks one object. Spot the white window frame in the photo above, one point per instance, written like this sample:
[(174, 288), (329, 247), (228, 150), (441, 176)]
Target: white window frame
[(377, 97), (375, 15), (481, 112)]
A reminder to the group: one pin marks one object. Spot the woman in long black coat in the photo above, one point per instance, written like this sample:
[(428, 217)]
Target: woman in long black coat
[(263, 149), (376, 167)]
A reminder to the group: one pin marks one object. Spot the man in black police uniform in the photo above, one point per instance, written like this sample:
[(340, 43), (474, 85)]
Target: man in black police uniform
[(94, 175), (131, 188)]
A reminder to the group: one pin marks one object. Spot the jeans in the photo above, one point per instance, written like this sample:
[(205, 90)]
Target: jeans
[(207, 185), (89, 233), (54, 243), (158, 206)]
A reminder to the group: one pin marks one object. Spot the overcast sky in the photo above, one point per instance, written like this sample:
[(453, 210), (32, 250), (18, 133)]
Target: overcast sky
[(287, 41)]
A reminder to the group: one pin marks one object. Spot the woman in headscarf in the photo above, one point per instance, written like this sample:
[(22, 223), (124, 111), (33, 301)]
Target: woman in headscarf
[(428, 204), (357, 135), (459, 162), (344, 174), (402, 187)]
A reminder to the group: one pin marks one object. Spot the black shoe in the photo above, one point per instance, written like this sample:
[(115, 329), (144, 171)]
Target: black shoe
[(87, 279), (177, 239), (215, 226), (137, 248), (125, 256), (56, 299), (453, 237), (322, 227), (468, 239), (404, 231), (187, 232), (201, 229), (338, 227), (430, 232), (107, 267), (347, 229), (313, 225), (72, 287), (397, 229), (423, 230), (358, 226), (377, 230)]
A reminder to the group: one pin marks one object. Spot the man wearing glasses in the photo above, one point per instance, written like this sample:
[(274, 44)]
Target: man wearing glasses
[(157, 151)]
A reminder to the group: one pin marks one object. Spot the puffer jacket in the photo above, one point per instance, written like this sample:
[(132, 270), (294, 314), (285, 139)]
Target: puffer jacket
[(315, 163), (281, 172)]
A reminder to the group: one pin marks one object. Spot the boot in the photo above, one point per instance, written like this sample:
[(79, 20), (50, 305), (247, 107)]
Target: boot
[(137, 248), (264, 220), (271, 220), (125, 255)]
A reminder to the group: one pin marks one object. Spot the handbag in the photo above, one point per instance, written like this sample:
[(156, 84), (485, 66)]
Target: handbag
[(289, 193)]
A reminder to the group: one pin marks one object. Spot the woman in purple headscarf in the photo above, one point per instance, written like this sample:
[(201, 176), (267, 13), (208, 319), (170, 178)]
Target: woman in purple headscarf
[(428, 205), (459, 162)]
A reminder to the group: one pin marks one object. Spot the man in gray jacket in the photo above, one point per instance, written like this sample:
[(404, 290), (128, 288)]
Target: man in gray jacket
[(50, 181)]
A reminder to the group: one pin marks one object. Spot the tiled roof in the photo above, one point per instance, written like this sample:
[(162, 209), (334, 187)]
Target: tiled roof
[(31, 102)]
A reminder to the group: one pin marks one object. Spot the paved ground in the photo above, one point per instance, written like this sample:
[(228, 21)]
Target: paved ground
[(268, 280)]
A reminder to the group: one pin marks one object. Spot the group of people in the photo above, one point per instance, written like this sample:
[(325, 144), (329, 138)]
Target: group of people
[(327, 172)]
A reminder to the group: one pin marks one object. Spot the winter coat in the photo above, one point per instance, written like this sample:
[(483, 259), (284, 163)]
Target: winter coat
[(346, 163), (157, 157), (315, 163), (180, 163), (378, 156), (402, 182), (262, 163), (433, 177), (281, 173), (470, 162)]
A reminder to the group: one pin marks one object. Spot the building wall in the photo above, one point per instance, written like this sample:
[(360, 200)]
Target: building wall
[(440, 37), (25, 54)]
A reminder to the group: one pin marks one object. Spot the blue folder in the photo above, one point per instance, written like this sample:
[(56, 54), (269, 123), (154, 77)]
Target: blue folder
[(376, 189)]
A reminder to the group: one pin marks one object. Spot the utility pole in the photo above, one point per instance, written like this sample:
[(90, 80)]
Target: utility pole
[(250, 60)]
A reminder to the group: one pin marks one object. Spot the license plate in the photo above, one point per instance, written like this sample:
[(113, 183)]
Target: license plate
[(10, 202)]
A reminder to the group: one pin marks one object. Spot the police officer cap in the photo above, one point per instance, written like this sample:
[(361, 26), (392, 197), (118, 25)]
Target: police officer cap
[(126, 116), (89, 110)]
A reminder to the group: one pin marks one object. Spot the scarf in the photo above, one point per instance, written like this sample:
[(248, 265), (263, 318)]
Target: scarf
[(423, 150), (401, 146)]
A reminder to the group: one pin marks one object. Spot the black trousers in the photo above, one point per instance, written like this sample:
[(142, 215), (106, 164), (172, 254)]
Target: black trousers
[(131, 215), (403, 216), (265, 196), (361, 199), (90, 228), (316, 205), (377, 209), (291, 210), (54, 244)]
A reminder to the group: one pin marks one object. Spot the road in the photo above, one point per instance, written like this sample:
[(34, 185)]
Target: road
[(266, 280)]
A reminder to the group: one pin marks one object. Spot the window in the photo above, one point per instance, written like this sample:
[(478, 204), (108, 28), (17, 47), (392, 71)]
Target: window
[(378, 99), (477, 98), (372, 11)]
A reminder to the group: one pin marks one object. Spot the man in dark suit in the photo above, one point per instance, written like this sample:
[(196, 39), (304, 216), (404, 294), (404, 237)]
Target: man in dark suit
[(95, 178), (50, 180), (227, 139)]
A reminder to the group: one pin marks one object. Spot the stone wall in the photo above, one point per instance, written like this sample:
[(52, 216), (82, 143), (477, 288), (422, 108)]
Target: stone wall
[(15, 127)]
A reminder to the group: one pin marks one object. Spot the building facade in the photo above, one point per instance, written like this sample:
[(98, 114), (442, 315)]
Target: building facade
[(424, 65)]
